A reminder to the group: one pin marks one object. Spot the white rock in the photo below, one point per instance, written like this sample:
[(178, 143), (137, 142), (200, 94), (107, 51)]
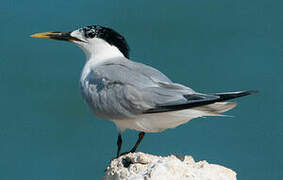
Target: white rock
[(141, 166)]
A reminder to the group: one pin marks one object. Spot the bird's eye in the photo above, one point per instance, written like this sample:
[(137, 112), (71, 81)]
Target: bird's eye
[(90, 34)]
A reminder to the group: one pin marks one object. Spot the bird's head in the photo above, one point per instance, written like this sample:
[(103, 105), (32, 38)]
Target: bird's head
[(96, 41)]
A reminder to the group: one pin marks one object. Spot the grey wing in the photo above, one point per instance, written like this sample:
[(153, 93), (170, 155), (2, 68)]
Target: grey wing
[(122, 89), (138, 74)]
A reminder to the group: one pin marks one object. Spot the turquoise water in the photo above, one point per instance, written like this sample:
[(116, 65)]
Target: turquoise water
[(47, 131)]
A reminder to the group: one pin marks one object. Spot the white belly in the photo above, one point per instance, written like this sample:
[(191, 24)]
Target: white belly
[(158, 122)]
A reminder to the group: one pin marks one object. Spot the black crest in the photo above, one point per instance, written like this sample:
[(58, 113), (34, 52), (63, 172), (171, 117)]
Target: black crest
[(109, 35)]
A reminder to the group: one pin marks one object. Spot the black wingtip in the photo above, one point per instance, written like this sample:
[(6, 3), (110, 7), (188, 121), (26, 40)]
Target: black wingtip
[(232, 95), (195, 103), (248, 92)]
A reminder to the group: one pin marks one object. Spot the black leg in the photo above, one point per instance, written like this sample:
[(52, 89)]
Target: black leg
[(119, 143), (141, 135)]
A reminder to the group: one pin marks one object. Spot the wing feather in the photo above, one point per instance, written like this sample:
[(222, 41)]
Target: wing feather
[(123, 88)]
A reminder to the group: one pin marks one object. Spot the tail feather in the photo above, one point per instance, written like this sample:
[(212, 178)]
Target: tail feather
[(216, 108)]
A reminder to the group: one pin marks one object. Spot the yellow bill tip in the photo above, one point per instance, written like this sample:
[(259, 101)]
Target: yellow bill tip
[(45, 35)]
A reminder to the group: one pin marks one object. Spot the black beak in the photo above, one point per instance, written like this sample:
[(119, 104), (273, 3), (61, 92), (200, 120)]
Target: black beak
[(61, 36)]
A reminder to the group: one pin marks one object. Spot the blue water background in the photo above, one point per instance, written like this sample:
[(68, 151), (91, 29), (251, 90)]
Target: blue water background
[(47, 131)]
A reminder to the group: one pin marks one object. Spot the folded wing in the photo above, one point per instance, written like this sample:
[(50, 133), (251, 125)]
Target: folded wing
[(124, 88)]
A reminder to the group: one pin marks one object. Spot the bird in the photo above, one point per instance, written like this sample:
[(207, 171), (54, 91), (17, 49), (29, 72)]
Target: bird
[(131, 94)]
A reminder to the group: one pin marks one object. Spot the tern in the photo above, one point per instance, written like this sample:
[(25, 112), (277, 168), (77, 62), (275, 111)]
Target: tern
[(131, 94)]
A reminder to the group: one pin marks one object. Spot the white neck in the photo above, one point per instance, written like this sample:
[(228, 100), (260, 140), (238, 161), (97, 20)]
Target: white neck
[(98, 50)]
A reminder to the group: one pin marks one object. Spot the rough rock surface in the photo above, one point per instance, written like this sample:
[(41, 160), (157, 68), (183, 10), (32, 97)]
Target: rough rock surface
[(141, 166)]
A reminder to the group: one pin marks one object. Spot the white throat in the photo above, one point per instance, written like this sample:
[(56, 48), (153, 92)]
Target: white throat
[(98, 50)]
